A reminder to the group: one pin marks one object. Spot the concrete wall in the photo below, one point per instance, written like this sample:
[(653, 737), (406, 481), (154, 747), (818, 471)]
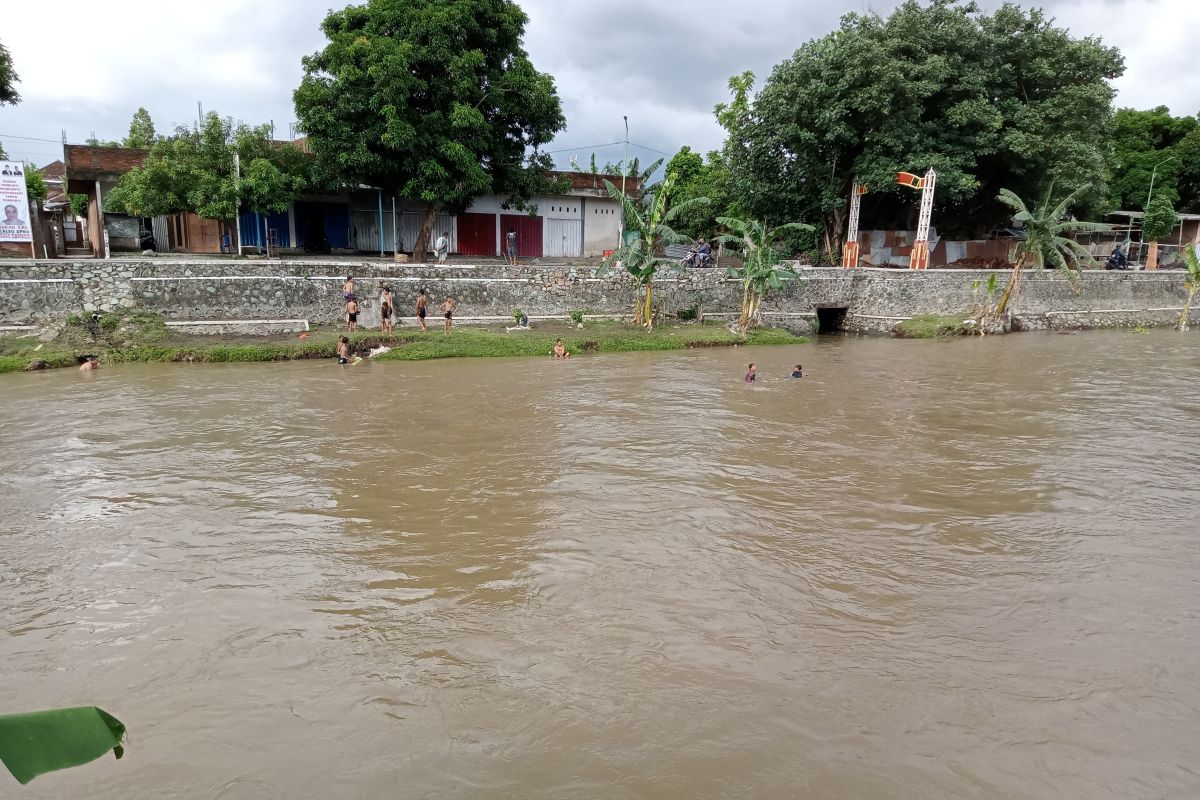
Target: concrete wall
[(874, 299)]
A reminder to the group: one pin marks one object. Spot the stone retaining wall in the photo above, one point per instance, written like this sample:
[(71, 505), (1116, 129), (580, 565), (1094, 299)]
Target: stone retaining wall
[(875, 299)]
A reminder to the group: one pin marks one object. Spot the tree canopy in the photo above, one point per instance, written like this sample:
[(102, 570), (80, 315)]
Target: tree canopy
[(8, 79), (1155, 145), (141, 130), (194, 171), (989, 100), (702, 177), (436, 99), (1160, 219)]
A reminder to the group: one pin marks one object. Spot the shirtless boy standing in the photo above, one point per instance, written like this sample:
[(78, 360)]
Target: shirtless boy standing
[(448, 310), (422, 308)]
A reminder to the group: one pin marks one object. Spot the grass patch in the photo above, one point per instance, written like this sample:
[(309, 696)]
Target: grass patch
[(142, 338), (932, 326), (599, 337)]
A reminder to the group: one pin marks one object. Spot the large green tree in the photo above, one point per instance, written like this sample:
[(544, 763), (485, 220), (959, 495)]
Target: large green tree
[(194, 171), (435, 99), (989, 100), (702, 177), (8, 79), (1155, 146)]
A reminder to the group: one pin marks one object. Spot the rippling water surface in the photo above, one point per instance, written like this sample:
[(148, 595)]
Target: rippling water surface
[(930, 569)]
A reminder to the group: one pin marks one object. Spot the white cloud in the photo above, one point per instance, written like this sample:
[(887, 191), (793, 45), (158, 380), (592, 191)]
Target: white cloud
[(663, 64)]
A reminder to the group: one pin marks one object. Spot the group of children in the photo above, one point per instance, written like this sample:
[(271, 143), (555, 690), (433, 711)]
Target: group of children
[(752, 373), (387, 308)]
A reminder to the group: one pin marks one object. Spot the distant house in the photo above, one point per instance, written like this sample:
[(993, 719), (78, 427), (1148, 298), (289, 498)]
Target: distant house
[(584, 221), (94, 171)]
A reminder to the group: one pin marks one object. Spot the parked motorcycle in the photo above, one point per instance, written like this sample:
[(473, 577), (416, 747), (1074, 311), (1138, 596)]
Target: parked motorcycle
[(1117, 260)]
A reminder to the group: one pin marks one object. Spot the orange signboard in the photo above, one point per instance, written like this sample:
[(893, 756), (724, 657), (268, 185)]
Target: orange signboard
[(910, 180)]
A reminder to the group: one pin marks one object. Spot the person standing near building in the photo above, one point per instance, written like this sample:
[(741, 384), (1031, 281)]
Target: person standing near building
[(441, 248), (510, 241)]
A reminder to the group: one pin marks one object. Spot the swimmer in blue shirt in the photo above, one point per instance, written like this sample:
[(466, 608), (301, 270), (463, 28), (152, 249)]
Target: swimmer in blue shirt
[(798, 372)]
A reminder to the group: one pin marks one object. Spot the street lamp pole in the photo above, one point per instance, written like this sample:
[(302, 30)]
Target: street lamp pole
[(1153, 175), (624, 172)]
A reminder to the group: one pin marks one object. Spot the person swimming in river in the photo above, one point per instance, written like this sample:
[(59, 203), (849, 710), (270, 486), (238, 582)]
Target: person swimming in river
[(798, 372), (92, 363), (343, 350), (561, 351), (351, 314), (751, 374)]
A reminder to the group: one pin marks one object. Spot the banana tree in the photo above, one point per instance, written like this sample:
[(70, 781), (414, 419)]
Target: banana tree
[(1046, 241), (1192, 264), (761, 270), (642, 257)]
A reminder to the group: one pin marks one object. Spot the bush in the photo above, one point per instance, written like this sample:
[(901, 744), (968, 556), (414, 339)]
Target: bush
[(689, 314)]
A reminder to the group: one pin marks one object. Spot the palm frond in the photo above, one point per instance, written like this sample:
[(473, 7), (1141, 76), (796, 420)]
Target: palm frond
[(1073, 226), (798, 227), (1061, 209), (1010, 199), (685, 206)]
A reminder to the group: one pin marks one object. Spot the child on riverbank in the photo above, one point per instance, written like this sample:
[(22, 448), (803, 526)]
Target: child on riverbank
[(351, 314), (561, 351), (385, 317), (422, 308), (448, 307)]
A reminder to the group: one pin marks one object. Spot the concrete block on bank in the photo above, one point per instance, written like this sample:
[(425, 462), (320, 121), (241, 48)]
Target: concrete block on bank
[(240, 327)]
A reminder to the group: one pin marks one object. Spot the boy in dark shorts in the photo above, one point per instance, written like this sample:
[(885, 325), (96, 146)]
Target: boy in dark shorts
[(343, 351), (351, 314), (385, 317), (448, 309), (422, 308)]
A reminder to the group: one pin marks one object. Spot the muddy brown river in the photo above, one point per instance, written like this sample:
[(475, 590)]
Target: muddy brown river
[(961, 569)]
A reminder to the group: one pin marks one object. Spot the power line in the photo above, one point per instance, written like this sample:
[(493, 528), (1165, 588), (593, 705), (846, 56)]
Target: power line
[(585, 147), (651, 149), (28, 138)]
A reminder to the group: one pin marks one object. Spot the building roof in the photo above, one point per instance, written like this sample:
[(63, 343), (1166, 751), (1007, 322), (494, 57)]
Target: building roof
[(1140, 214), (53, 171), (84, 162), (593, 183)]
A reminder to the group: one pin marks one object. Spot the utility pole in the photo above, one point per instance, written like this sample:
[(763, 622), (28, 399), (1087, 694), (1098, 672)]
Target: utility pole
[(1153, 175), (624, 172), (237, 216)]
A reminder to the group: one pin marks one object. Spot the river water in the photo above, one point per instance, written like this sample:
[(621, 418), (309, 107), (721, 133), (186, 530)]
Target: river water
[(963, 568)]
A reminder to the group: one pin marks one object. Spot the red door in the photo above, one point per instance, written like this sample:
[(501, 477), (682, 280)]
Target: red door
[(529, 234), (476, 235)]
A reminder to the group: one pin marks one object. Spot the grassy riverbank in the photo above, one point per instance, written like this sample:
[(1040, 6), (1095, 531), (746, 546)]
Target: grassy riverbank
[(142, 338)]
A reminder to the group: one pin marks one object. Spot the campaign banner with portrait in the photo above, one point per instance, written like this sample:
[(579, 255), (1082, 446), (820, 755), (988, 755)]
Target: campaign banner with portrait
[(14, 203)]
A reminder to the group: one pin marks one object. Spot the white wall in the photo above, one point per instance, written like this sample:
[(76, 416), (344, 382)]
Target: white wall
[(601, 218), (601, 225)]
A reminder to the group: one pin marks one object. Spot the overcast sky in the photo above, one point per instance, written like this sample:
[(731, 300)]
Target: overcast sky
[(86, 66)]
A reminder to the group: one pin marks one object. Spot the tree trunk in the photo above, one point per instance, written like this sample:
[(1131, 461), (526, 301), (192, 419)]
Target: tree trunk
[(421, 248), (649, 307), (1010, 290), (1187, 306), (1152, 256), (745, 319)]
